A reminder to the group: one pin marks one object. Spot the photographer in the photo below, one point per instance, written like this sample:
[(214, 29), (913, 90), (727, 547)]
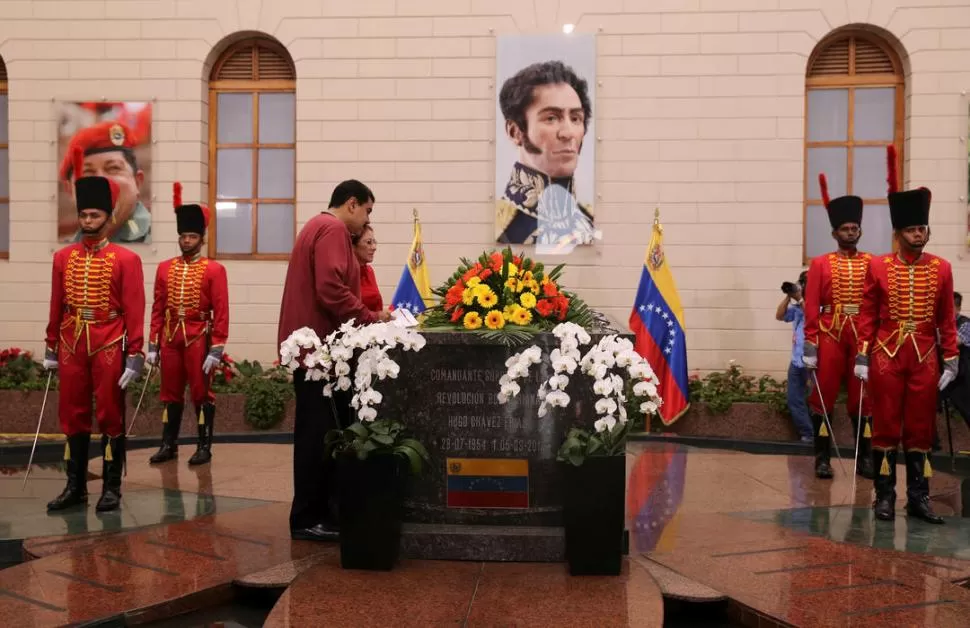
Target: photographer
[(791, 310)]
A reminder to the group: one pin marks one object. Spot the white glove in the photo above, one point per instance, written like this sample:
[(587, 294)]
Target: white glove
[(947, 378), (152, 358), (862, 372), (810, 362), (50, 360), (211, 361), (127, 377), (133, 367)]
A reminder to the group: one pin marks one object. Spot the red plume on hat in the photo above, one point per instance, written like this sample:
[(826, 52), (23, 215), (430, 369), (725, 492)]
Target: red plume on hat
[(824, 185), (176, 195), (893, 178)]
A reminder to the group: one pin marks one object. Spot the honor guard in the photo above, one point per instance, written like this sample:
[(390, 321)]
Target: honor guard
[(908, 298), (94, 337), (189, 330), (832, 299)]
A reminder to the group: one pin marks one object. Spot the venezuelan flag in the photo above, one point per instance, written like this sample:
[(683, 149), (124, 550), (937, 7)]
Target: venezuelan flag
[(488, 483), (414, 288), (658, 322)]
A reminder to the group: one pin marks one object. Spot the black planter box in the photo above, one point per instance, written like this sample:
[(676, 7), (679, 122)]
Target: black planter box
[(593, 510), (370, 506)]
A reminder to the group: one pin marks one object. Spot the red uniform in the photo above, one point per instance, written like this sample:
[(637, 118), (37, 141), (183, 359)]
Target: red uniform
[(95, 334), (904, 304), (97, 317), (190, 317), (832, 298), (833, 291), (189, 330), (906, 319)]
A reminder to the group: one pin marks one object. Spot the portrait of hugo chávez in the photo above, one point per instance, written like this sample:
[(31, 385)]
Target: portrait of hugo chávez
[(547, 112)]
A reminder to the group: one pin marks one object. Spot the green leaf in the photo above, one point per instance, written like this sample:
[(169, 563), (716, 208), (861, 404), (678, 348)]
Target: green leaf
[(359, 430), (383, 439), (415, 463), (417, 447)]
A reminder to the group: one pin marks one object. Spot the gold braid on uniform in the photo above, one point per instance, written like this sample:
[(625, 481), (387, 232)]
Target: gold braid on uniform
[(848, 276), (87, 288), (912, 301), (184, 290)]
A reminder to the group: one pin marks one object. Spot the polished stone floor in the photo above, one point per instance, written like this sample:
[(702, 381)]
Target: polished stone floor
[(758, 529)]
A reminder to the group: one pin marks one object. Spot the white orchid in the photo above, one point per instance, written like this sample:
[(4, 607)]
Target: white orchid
[(330, 360), (557, 398), (605, 424)]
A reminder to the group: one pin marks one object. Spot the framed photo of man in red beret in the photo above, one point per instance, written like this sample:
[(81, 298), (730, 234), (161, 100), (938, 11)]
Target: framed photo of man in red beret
[(115, 138)]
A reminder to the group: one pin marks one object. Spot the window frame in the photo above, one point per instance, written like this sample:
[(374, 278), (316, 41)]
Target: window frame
[(851, 82), (5, 145), (256, 87)]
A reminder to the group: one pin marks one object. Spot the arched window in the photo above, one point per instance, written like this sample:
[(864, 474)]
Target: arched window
[(252, 152), (854, 109), (4, 167)]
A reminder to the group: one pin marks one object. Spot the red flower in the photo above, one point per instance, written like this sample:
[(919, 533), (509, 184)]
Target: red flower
[(549, 289), (517, 260), (457, 314), (497, 262), (544, 308), (472, 272), (562, 306), (485, 274)]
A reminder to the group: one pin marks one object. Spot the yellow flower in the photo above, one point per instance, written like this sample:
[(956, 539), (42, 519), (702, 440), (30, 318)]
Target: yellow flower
[(474, 281), (488, 299), (510, 283), (528, 300), (467, 296), (522, 316), (481, 289), (513, 270), (534, 285), (473, 320), (494, 320), (510, 310), (527, 276)]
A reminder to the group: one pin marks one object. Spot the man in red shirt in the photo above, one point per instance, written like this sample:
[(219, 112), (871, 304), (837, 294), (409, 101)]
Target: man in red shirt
[(322, 291), (832, 297), (95, 334), (907, 300), (189, 330)]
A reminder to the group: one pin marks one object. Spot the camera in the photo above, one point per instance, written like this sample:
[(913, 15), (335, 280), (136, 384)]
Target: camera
[(788, 288)]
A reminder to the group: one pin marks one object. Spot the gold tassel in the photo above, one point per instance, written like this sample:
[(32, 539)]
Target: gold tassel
[(201, 418), (67, 451), (867, 433), (823, 431), (927, 469), (165, 414), (107, 452), (884, 469)]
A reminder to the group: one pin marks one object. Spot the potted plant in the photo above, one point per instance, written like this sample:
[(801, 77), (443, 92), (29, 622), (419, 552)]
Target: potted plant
[(593, 457), (374, 456)]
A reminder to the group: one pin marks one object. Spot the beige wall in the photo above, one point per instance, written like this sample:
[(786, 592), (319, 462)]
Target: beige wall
[(699, 110)]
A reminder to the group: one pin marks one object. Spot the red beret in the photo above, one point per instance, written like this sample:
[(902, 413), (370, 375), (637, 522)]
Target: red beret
[(103, 137)]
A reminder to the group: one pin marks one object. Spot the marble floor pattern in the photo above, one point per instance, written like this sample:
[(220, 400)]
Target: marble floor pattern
[(758, 529)]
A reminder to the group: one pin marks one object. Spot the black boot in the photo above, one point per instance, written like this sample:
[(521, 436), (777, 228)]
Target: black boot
[(76, 491), (884, 461), (823, 455), (114, 463), (171, 424), (918, 487), (203, 452), (863, 465)]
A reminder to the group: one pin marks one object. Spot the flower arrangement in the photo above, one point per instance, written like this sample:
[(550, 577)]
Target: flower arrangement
[(620, 375), (19, 371), (330, 361), (505, 297)]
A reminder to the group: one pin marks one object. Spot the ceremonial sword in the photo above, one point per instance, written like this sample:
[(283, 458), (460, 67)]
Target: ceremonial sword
[(40, 419), (825, 415), (151, 367)]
